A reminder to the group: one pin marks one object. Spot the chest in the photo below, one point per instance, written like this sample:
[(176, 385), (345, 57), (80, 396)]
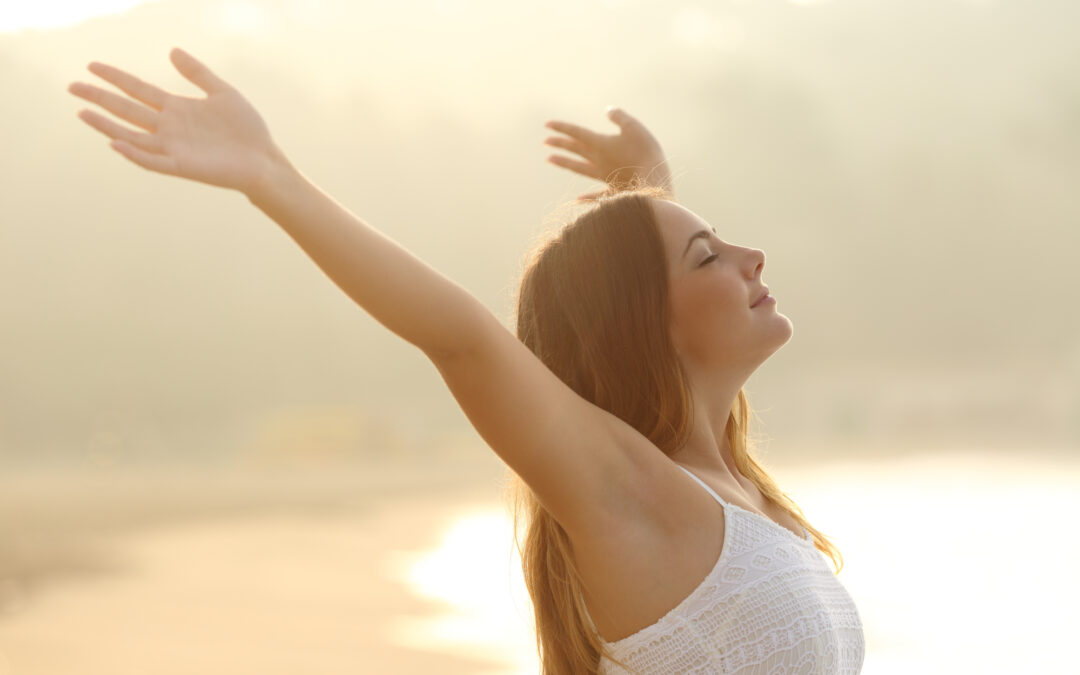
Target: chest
[(637, 573)]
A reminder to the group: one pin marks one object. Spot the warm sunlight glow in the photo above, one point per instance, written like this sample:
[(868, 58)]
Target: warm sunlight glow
[(698, 28), (930, 530), (241, 17), (476, 573), (51, 14)]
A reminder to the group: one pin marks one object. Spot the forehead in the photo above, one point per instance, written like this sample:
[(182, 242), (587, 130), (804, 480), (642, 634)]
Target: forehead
[(677, 223)]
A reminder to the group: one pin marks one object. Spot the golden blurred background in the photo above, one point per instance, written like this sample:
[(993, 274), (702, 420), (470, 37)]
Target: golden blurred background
[(179, 383)]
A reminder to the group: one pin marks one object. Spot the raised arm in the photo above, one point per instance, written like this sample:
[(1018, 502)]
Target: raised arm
[(398, 289), (222, 140), (590, 469)]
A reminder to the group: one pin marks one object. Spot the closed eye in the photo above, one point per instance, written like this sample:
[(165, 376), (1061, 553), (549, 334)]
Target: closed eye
[(708, 260)]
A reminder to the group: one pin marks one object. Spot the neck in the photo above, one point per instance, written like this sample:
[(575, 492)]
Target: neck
[(708, 447)]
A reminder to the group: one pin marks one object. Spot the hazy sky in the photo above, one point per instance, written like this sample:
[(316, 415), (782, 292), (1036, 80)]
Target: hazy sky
[(909, 168)]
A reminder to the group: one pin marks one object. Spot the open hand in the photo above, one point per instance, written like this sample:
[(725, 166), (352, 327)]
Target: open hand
[(220, 140), (632, 155)]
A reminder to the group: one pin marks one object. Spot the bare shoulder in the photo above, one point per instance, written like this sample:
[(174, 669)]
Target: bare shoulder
[(631, 573), (653, 499)]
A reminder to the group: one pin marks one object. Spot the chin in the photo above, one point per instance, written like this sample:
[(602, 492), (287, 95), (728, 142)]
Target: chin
[(789, 333), (783, 335), (790, 326)]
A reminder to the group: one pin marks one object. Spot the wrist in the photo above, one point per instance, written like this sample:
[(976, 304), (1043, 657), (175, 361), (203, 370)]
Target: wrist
[(273, 175), (660, 176), (650, 174)]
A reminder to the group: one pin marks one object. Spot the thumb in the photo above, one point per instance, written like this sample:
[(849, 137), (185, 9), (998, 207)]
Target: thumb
[(619, 116), (197, 72)]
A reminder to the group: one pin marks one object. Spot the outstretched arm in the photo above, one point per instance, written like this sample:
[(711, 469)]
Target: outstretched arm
[(590, 469), (631, 156), (222, 140), (399, 290)]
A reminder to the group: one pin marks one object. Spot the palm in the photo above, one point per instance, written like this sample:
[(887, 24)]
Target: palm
[(220, 140), (213, 140)]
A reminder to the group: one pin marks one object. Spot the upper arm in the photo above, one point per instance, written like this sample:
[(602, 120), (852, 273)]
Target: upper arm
[(585, 465)]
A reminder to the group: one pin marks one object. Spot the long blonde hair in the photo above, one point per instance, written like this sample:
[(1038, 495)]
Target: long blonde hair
[(593, 307)]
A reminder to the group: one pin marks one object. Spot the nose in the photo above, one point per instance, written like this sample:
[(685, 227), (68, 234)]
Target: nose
[(757, 259)]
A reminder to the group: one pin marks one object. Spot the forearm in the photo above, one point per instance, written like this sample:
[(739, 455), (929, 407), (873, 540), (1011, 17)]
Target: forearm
[(398, 289)]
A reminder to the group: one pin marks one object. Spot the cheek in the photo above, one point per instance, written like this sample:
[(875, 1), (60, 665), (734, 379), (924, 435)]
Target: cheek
[(708, 294), (704, 306)]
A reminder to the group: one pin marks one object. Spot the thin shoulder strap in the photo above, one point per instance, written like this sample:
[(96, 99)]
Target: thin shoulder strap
[(702, 484)]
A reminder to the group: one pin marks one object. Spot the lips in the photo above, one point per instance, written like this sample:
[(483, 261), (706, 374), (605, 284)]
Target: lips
[(763, 296)]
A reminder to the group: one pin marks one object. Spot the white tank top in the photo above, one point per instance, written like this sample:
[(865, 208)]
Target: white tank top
[(772, 605)]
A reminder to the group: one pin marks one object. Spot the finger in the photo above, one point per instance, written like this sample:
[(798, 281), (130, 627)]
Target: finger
[(124, 108), (147, 160), (574, 131), (584, 168), (133, 86), (621, 118), (197, 72), (572, 145), (116, 131)]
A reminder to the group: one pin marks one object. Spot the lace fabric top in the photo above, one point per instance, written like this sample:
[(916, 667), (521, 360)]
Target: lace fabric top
[(772, 605)]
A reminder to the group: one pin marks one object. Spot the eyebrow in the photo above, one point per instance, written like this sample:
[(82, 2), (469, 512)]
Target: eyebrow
[(700, 234)]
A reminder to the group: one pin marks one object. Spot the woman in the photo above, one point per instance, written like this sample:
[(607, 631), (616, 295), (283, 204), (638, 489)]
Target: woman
[(655, 542)]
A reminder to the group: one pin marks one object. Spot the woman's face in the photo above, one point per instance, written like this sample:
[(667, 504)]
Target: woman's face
[(712, 285)]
